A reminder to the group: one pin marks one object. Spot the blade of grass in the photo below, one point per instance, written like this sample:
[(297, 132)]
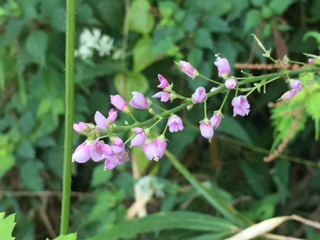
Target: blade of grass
[(211, 196)]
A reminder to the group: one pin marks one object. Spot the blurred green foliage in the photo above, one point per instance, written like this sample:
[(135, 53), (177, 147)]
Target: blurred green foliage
[(157, 34)]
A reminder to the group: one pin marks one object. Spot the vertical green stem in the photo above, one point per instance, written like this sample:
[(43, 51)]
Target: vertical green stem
[(68, 148)]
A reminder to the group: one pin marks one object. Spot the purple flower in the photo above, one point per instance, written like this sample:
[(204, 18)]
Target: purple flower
[(139, 101), (101, 121), (112, 116), (199, 95), (296, 85), (240, 106), (139, 139), (188, 69), (288, 95), (206, 129), (223, 67), (215, 120), (164, 96), (164, 84), (230, 83), (82, 153), (175, 123), (119, 102), (155, 149)]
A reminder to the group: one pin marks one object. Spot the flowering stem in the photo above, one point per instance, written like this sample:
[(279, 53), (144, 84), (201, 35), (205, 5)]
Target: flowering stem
[(184, 105), (69, 98)]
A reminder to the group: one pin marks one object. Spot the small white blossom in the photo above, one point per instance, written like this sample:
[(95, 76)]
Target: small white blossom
[(94, 41)]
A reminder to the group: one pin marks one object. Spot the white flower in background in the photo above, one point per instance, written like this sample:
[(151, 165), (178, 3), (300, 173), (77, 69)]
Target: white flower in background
[(117, 54), (149, 185), (105, 45), (94, 41)]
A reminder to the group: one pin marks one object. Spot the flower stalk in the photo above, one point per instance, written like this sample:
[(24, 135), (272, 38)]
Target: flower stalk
[(69, 108)]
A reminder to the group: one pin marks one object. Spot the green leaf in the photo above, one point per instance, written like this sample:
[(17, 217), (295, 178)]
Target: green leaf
[(71, 236), (203, 39), (279, 7), (6, 227), (58, 19), (165, 221), (25, 150), (312, 105), (7, 161), (111, 12), (44, 107), (257, 3), (256, 175), (142, 56), (36, 46), (253, 18), (99, 176), (30, 176), (230, 126), (127, 83), (281, 178), (140, 19)]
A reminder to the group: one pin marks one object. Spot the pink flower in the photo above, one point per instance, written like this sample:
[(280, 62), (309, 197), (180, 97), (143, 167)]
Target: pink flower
[(230, 83), (155, 150), (139, 101), (82, 153), (288, 95), (311, 61), (164, 84), (96, 151), (199, 95), (115, 159), (206, 129), (162, 145), (139, 139), (117, 145), (240, 106), (100, 120), (188, 69), (215, 120), (164, 96), (119, 102), (223, 67), (296, 85), (81, 127), (175, 123), (112, 116)]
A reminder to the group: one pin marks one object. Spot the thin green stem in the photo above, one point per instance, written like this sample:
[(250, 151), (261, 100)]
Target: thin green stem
[(206, 78), (69, 95), (224, 100)]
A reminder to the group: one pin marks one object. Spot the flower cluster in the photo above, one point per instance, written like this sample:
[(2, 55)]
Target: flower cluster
[(94, 41), (115, 153)]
